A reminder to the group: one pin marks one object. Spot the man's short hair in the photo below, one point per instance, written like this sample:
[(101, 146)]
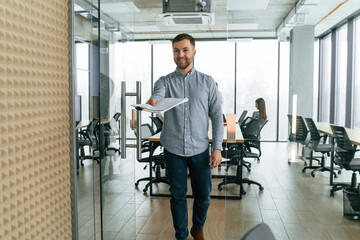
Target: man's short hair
[(184, 36)]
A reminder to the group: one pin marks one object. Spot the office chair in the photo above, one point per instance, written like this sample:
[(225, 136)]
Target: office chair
[(242, 117), (344, 157), (111, 129), (252, 139), (300, 134), (245, 123), (260, 232), (256, 114), (158, 160), (88, 138), (158, 123), (237, 156), (315, 146)]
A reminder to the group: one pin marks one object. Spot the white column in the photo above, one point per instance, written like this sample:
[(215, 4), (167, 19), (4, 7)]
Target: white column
[(302, 69)]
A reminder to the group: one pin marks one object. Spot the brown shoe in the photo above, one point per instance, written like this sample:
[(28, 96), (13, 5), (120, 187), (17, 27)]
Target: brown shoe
[(197, 234)]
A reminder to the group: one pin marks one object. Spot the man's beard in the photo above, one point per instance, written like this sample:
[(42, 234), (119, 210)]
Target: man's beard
[(187, 63)]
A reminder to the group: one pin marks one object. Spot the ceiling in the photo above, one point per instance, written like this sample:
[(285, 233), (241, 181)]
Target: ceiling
[(233, 18)]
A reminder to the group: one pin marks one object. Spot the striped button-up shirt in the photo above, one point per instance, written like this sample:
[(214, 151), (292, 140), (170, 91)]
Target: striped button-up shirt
[(185, 129)]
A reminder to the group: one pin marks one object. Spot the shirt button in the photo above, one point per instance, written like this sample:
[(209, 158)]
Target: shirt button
[(185, 108), (185, 119)]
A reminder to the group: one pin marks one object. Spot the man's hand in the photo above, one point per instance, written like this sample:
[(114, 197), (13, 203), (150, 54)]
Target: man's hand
[(215, 158), (152, 101)]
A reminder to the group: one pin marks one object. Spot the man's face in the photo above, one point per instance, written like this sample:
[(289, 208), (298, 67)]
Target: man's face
[(184, 53)]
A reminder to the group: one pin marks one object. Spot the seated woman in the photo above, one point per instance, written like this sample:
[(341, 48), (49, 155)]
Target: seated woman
[(260, 105)]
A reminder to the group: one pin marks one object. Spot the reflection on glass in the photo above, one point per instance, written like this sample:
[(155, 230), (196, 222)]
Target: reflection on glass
[(257, 73), (325, 79), (341, 75)]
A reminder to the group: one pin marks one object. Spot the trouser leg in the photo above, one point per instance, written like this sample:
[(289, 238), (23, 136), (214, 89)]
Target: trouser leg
[(200, 174), (177, 173)]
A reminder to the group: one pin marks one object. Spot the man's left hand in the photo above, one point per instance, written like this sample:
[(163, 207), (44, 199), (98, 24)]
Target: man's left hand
[(215, 158)]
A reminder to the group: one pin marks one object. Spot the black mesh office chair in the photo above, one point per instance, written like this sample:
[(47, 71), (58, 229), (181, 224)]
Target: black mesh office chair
[(158, 160), (158, 123), (244, 124), (242, 117), (344, 157), (300, 135), (315, 146), (88, 138), (301, 131), (237, 155), (112, 129), (252, 144)]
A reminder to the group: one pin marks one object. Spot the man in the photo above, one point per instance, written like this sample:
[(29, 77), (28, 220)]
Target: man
[(185, 135)]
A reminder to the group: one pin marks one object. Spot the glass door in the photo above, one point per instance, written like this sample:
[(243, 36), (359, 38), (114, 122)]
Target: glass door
[(105, 183), (115, 191), (85, 45)]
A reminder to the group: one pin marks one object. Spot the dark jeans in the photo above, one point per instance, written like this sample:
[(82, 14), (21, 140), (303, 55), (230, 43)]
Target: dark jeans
[(200, 174)]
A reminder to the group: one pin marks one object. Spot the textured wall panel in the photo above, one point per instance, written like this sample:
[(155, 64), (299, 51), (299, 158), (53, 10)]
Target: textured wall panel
[(34, 120)]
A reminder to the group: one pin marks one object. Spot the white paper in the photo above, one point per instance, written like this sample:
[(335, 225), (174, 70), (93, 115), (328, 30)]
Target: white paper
[(162, 106)]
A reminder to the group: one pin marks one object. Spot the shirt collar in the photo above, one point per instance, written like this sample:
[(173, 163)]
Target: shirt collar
[(191, 72)]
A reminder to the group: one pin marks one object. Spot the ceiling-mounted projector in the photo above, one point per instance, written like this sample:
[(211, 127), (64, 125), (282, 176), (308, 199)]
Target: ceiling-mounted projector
[(187, 12)]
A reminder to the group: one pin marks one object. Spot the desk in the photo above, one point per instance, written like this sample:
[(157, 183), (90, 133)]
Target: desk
[(238, 139), (85, 123), (354, 136)]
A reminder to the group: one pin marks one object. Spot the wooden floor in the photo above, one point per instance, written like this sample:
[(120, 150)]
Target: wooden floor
[(294, 204)]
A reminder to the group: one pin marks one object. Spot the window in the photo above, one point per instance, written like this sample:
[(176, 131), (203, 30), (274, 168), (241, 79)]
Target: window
[(316, 80), (163, 60), (341, 75), (356, 83), (82, 77), (217, 59), (257, 76), (325, 79), (130, 62), (284, 90)]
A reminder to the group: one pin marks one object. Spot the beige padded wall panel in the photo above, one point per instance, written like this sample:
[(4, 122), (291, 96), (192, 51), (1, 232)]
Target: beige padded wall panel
[(34, 116)]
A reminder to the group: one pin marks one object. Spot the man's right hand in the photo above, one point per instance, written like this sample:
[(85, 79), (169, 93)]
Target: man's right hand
[(152, 101)]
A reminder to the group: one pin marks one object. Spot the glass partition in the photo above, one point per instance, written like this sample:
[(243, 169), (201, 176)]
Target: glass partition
[(85, 41), (106, 199)]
